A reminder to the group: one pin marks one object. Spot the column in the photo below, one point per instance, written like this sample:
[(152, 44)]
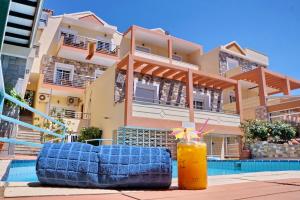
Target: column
[(128, 90), (238, 96), (286, 87), (190, 95), (170, 49), (132, 41), (262, 85)]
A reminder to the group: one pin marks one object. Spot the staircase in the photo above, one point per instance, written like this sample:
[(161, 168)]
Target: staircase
[(29, 135)]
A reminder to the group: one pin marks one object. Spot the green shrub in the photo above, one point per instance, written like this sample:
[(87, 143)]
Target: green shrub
[(259, 130), (281, 132), (90, 133), (12, 92)]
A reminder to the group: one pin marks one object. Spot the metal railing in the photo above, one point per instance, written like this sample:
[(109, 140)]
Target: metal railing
[(82, 42), (75, 80), (75, 41), (71, 115), (62, 127)]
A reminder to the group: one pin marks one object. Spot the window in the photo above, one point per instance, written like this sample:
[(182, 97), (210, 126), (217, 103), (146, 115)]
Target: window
[(143, 49), (102, 45), (69, 35), (98, 73), (145, 92), (176, 57), (63, 74), (199, 105), (232, 63)]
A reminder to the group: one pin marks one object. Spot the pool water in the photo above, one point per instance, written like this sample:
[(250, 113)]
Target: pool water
[(24, 170)]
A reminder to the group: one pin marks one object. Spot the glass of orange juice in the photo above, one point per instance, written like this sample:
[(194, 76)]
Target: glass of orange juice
[(192, 165)]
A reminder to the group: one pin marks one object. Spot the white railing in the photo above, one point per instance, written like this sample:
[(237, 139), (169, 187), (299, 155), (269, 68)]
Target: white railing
[(71, 114), (82, 42), (77, 81), (75, 41)]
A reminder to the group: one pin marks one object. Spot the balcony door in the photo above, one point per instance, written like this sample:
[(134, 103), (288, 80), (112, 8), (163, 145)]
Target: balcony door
[(146, 93), (63, 74)]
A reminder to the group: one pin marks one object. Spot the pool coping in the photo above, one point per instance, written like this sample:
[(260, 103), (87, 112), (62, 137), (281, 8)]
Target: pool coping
[(29, 189)]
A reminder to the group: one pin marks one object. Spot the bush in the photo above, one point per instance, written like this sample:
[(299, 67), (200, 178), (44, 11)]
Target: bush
[(90, 133), (281, 132), (258, 130)]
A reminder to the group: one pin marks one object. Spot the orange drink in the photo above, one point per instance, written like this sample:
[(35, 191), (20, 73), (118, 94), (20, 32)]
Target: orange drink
[(192, 165)]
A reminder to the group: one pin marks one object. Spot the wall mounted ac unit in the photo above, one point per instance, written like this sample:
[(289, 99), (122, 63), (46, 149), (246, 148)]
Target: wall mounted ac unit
[(74, 101), (43, 97)]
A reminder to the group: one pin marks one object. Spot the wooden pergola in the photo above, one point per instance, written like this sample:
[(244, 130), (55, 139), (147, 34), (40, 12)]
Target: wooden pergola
[(188, 76), (265, 78)]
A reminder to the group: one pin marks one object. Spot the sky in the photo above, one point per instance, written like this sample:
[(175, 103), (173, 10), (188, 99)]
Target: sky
[(268, 26)]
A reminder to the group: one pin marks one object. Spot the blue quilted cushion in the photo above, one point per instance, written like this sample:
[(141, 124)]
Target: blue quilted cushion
[(115, 166)]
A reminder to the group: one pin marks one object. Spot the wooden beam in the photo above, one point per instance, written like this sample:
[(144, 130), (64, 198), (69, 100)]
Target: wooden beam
[(147, 68), (286, 87), (169, 73), (137, 65), (179, 75), (123, 62), (158, 71)]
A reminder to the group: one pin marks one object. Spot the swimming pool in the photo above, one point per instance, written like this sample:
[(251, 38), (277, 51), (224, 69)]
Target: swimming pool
[(24, 170)]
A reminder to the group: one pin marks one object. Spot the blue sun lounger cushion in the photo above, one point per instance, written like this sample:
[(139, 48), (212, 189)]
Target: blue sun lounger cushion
[(115, 166)]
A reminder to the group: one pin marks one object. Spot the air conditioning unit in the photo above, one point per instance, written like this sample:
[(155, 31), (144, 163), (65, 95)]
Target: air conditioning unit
[(74, 101), (43, 97)]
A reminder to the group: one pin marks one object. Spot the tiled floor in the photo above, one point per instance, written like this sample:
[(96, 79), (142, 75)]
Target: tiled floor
[(288, 189)]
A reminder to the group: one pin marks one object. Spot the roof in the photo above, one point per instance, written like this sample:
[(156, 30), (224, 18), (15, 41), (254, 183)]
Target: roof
[(234, 43), (87, 16)]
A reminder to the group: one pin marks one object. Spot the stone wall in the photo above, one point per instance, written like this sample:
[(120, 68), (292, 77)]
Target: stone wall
[(245, 65), (81, 69), (171, 92), (271, 150)]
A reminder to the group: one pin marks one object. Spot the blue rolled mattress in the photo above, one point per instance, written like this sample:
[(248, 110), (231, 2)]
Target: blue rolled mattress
[(115, 166)]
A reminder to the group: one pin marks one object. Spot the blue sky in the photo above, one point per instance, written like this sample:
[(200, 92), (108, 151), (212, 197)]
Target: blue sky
[(268, 26)]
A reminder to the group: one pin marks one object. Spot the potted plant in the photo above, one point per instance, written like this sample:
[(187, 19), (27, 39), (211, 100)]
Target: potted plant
[(90, 133)]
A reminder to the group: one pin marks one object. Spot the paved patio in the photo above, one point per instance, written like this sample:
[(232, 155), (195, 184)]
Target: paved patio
[(267, 190)]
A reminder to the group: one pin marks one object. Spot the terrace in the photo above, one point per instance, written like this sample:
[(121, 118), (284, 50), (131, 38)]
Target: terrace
[(158, 45), (85, 49), (167, 92)]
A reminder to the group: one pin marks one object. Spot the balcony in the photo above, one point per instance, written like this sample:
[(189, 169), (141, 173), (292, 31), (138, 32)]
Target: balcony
[(75, 120), (158, 46), (157, 109), (86, 49), (67, 80)]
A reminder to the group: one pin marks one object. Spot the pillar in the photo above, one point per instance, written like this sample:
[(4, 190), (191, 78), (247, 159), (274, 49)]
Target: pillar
[(262, 85), (128, 90), (132, 41), (238, 96), (190, 95)]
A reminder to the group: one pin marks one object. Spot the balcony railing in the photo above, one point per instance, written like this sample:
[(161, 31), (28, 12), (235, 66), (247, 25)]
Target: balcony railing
[(82, 42), (70, 115), (75, 41), (77, 81)]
